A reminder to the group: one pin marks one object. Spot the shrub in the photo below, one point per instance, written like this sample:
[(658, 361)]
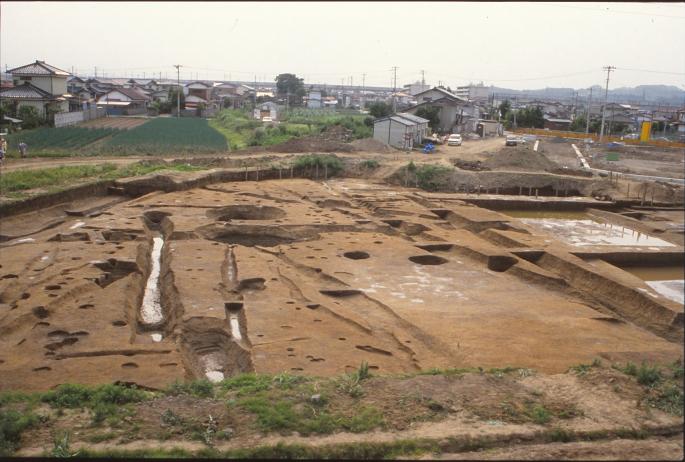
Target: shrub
[(12, 424), (331, 162), (68, 395), (431, 177)]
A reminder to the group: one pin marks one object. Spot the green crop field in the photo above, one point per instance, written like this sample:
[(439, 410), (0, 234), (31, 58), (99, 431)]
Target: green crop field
[(168, 135), (57, 138)]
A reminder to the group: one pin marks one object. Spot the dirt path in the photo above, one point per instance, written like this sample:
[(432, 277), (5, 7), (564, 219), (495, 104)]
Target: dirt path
[(670, 448), (469, 149)]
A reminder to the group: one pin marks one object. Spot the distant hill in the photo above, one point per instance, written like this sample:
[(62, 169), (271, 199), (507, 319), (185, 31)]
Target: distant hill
[(668, 94)]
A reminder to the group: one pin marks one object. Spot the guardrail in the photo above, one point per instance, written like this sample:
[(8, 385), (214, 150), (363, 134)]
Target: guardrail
[(595, 137)]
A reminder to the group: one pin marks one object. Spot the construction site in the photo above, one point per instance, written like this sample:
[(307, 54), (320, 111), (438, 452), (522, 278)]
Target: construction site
[(478, 257)]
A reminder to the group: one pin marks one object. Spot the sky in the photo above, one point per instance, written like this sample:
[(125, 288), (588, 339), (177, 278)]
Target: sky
[(511, 45)]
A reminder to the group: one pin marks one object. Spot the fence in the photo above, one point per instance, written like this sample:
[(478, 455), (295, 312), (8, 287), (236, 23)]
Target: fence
[(65, 119), (594, 137)]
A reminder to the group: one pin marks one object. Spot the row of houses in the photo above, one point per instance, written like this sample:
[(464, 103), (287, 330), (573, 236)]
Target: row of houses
[(51, 90)]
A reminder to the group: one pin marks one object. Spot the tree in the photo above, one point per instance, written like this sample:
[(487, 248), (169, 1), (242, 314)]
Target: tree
[(29, 117), (504, 108), (173, 97), (291, 86), (380, 109), (432, 113), (578, 124)]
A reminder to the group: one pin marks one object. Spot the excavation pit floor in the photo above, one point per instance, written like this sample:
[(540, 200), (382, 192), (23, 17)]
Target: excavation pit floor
[(312, 278)]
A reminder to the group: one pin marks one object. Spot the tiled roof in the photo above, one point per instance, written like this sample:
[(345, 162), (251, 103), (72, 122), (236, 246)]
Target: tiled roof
[(131, 93), (38, 68), (26, 91)]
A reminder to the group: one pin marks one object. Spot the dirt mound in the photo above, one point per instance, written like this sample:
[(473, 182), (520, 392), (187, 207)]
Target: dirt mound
[(369, 144), (312, 144), (518, 158)]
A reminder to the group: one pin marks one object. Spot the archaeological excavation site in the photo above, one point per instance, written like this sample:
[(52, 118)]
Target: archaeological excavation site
[(207, 276)]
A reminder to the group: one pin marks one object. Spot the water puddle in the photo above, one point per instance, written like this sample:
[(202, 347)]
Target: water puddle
[(540, 214), (673, 289), (668, 281), (78, 224), (151, 308), (656, 273), (590, 233)]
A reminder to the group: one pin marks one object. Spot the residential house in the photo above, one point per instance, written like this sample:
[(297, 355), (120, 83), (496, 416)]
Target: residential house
[(680, 122), (149, 85), (268, 109), (228, 95), (557, 124), (436, 93), (400, 130), (456, 115), (124, 101), (38, 85), (198, 94)]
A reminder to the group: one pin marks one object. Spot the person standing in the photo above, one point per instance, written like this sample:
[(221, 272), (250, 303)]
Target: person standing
[(23, 149), (3, 149)]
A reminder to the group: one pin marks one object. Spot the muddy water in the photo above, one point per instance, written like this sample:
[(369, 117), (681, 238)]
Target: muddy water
[(151, 308), (668, 281), (589, 233), (656, 273), (539, 214)]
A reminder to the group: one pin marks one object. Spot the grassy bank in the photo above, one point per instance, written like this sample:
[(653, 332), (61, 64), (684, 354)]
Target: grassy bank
[(55, 178), (248, 406)]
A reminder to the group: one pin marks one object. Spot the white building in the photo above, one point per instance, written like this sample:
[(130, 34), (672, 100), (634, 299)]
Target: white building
[(474, 92), (38, 85)]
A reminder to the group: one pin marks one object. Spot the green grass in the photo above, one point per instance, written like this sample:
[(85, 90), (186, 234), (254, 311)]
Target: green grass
[(199, 388), (166, 135), (647, 375), (55, 177), (582, 369)]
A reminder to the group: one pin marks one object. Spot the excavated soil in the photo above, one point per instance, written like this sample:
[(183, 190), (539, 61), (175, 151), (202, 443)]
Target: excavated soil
[(311, 278)]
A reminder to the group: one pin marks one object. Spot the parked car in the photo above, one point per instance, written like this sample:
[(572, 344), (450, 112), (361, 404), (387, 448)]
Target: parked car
[(267, 119), (512, 140), (454, 140)]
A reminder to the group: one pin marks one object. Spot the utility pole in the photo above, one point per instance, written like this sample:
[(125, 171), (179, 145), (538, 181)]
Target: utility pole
[(606, 96), (363, 90), (423, 79), (587, 119), (394, 90), (178, 95)]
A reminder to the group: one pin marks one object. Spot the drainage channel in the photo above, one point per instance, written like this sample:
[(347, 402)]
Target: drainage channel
[(151, 312)]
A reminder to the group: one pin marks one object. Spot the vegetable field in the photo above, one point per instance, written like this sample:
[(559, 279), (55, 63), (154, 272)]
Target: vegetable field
[(58, 138), (162, 135)]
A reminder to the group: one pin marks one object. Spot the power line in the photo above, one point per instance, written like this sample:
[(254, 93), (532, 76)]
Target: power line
[(648, 70)]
